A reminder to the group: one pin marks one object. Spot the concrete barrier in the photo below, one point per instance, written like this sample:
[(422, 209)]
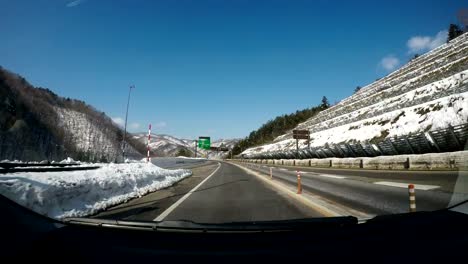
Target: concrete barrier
[(386, 163), (346, 163), (302, 163), (450, 160), (432, 161), (324, 163)]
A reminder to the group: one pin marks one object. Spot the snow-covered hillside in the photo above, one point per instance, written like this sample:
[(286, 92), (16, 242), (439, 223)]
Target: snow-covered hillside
[(90, 137), (429, 93), (38, 124), (168, 146)]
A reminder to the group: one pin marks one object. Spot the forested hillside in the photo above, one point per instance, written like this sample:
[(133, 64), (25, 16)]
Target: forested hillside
[(37, 124), (278, 126)]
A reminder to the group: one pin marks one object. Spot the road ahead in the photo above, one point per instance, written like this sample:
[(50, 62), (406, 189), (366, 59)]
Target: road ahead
[(222, 192), (218, 192)]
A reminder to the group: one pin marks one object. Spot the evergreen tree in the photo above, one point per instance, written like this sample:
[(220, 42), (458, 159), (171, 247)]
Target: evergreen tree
[(183, 152), (277, 127), (453, 32), (325, 104), (357, 89)]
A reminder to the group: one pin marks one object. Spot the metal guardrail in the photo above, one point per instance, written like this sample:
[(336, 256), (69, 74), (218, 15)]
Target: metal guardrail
[(443, 140), (11, 167)]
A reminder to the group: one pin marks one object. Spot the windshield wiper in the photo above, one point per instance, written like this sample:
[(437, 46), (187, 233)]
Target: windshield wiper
[(188, 225)]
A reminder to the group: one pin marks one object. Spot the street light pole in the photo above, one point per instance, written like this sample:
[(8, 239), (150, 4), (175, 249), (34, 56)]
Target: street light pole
[(125, 127)]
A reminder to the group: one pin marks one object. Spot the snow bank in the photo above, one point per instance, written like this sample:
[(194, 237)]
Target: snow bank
[(82, 193)]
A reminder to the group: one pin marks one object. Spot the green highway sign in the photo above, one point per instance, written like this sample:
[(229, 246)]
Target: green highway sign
[(204, 142)]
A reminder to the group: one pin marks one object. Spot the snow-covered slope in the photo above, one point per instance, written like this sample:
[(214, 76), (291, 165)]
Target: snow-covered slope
[(427, 94), (168, 146), (89, 137), (37, 124)]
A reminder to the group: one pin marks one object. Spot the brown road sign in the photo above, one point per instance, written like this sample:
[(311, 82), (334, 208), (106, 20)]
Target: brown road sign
[(301, 134)]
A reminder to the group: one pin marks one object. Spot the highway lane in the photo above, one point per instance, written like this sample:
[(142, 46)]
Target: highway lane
[(359, 194), (230, 194), (445, 179)]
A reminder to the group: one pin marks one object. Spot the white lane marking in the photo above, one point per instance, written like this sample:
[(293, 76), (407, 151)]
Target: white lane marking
[(317, 174), (174, 206), (331, 176), (405, 185), (323, 175), (283, 169)]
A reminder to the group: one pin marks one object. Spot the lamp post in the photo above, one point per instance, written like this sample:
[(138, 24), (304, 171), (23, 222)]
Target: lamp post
[(125, 127)]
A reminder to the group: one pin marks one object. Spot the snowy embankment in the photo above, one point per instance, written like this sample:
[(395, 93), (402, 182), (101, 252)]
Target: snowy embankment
[(81, 193), (431, 115)]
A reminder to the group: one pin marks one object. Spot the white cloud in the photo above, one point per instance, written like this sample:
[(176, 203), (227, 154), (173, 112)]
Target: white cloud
[(119, 121), (389, 62), (134, 126), (425, 43), (75, 3), (160, 124)]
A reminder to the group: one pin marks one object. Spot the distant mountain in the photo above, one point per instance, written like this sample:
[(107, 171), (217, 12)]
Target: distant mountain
[(169, 146), (37, 124)]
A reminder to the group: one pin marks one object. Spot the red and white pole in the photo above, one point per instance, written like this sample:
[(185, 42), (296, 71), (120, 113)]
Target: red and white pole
[(412, 198), (148, 159)]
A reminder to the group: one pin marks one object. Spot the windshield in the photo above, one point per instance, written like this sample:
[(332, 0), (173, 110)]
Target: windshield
[(233, 111)]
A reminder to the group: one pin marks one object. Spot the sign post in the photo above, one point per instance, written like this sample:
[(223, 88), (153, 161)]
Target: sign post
[(148, 159), (301, 134)]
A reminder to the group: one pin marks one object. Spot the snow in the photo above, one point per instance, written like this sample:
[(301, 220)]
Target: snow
[(82, 193), (68, 161), (427, 94), (166, 145), (452, 112), (89, 136)]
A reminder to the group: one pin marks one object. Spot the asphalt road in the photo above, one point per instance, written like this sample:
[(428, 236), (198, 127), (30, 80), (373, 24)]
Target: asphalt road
[(224, 194), (446, 180), (371, 191), (220, 192)]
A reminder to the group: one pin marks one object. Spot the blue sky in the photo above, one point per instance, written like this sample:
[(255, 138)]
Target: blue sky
[(216, 68)]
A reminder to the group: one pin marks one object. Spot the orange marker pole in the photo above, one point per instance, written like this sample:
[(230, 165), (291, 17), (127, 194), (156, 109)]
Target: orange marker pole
[(299, 186)]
